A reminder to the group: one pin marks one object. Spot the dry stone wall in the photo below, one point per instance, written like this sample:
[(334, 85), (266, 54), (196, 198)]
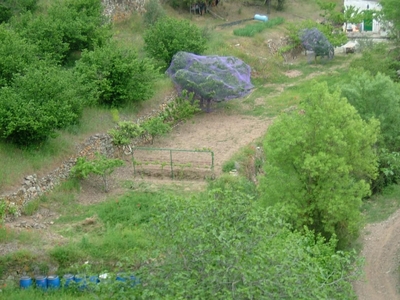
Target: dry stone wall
[(33, 187)]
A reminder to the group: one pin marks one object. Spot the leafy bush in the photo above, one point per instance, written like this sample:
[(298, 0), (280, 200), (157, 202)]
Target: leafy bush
[(181, 109), (67, 28), (379, 58), (38, 103), (320, 161), (379, 97), (101, 166), (8, 8), (169, 36), (114, 76), (125, 131), (155, 127), (81, 22), (44, 32), (16, 54), (252, 29), (154, 12), (220, 245)]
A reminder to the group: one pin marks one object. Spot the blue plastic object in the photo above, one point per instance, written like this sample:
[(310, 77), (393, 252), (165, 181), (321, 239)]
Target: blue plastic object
[(25, 282), (261, 18), (131, 280), (68, 278), (41, 282), (53, 282), (81, 281), (94, 279)]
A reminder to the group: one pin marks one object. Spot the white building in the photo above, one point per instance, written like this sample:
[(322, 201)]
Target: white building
[(370, 24)]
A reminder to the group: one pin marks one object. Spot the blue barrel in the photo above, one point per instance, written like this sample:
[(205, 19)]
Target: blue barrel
[(25, 282), (41, 282), (130, 280), (261, 18), (94, 279), (68, 278), (81, 281), (53, 282)]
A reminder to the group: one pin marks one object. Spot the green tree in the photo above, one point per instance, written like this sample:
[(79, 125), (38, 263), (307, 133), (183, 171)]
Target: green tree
[(222, 245), (36, 104), (114, 76), (379, 97), (391, 13), (81, 22), (16, 54), (169, 36), (44, 32), (373, 61), (101, 166), (155, 127), (319, 163), (8, 8)]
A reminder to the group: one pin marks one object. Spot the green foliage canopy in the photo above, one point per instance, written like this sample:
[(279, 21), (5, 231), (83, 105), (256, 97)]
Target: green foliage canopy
[(169, 36), (379, 97), (320, 161), (114, 76), (16, 54), (391, 12), (221, 245), (101, 166), (374, 62), (67, 28), (8, 8), (38, 103)]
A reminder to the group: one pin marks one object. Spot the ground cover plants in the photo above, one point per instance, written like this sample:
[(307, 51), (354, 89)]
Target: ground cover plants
[(226, 238)]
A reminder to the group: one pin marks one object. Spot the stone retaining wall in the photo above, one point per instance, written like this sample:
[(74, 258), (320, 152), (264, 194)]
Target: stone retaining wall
[(33, 187)]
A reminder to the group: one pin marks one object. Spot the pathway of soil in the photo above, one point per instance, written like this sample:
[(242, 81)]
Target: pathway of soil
[(381, 243)]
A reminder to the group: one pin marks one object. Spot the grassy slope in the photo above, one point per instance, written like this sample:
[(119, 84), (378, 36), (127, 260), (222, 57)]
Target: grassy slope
[(107, 241)]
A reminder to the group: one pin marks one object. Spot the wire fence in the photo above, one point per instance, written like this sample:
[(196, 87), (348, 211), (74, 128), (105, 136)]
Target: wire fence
[(174, 161)]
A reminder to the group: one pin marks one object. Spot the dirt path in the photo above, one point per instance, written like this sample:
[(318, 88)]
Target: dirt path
[(381, 251)]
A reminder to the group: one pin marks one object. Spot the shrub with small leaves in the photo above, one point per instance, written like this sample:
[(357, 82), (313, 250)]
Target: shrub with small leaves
[(114, 75), (168, 36), (125, 132), (101, 166), (38, 103), (182, 108), (155, 127)]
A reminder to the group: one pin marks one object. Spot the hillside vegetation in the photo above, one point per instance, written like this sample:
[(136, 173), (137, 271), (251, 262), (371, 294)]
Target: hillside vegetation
[(296, 202)]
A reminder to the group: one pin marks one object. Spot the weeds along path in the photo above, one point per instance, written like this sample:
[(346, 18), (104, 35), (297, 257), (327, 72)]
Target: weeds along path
[(381, 242)]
